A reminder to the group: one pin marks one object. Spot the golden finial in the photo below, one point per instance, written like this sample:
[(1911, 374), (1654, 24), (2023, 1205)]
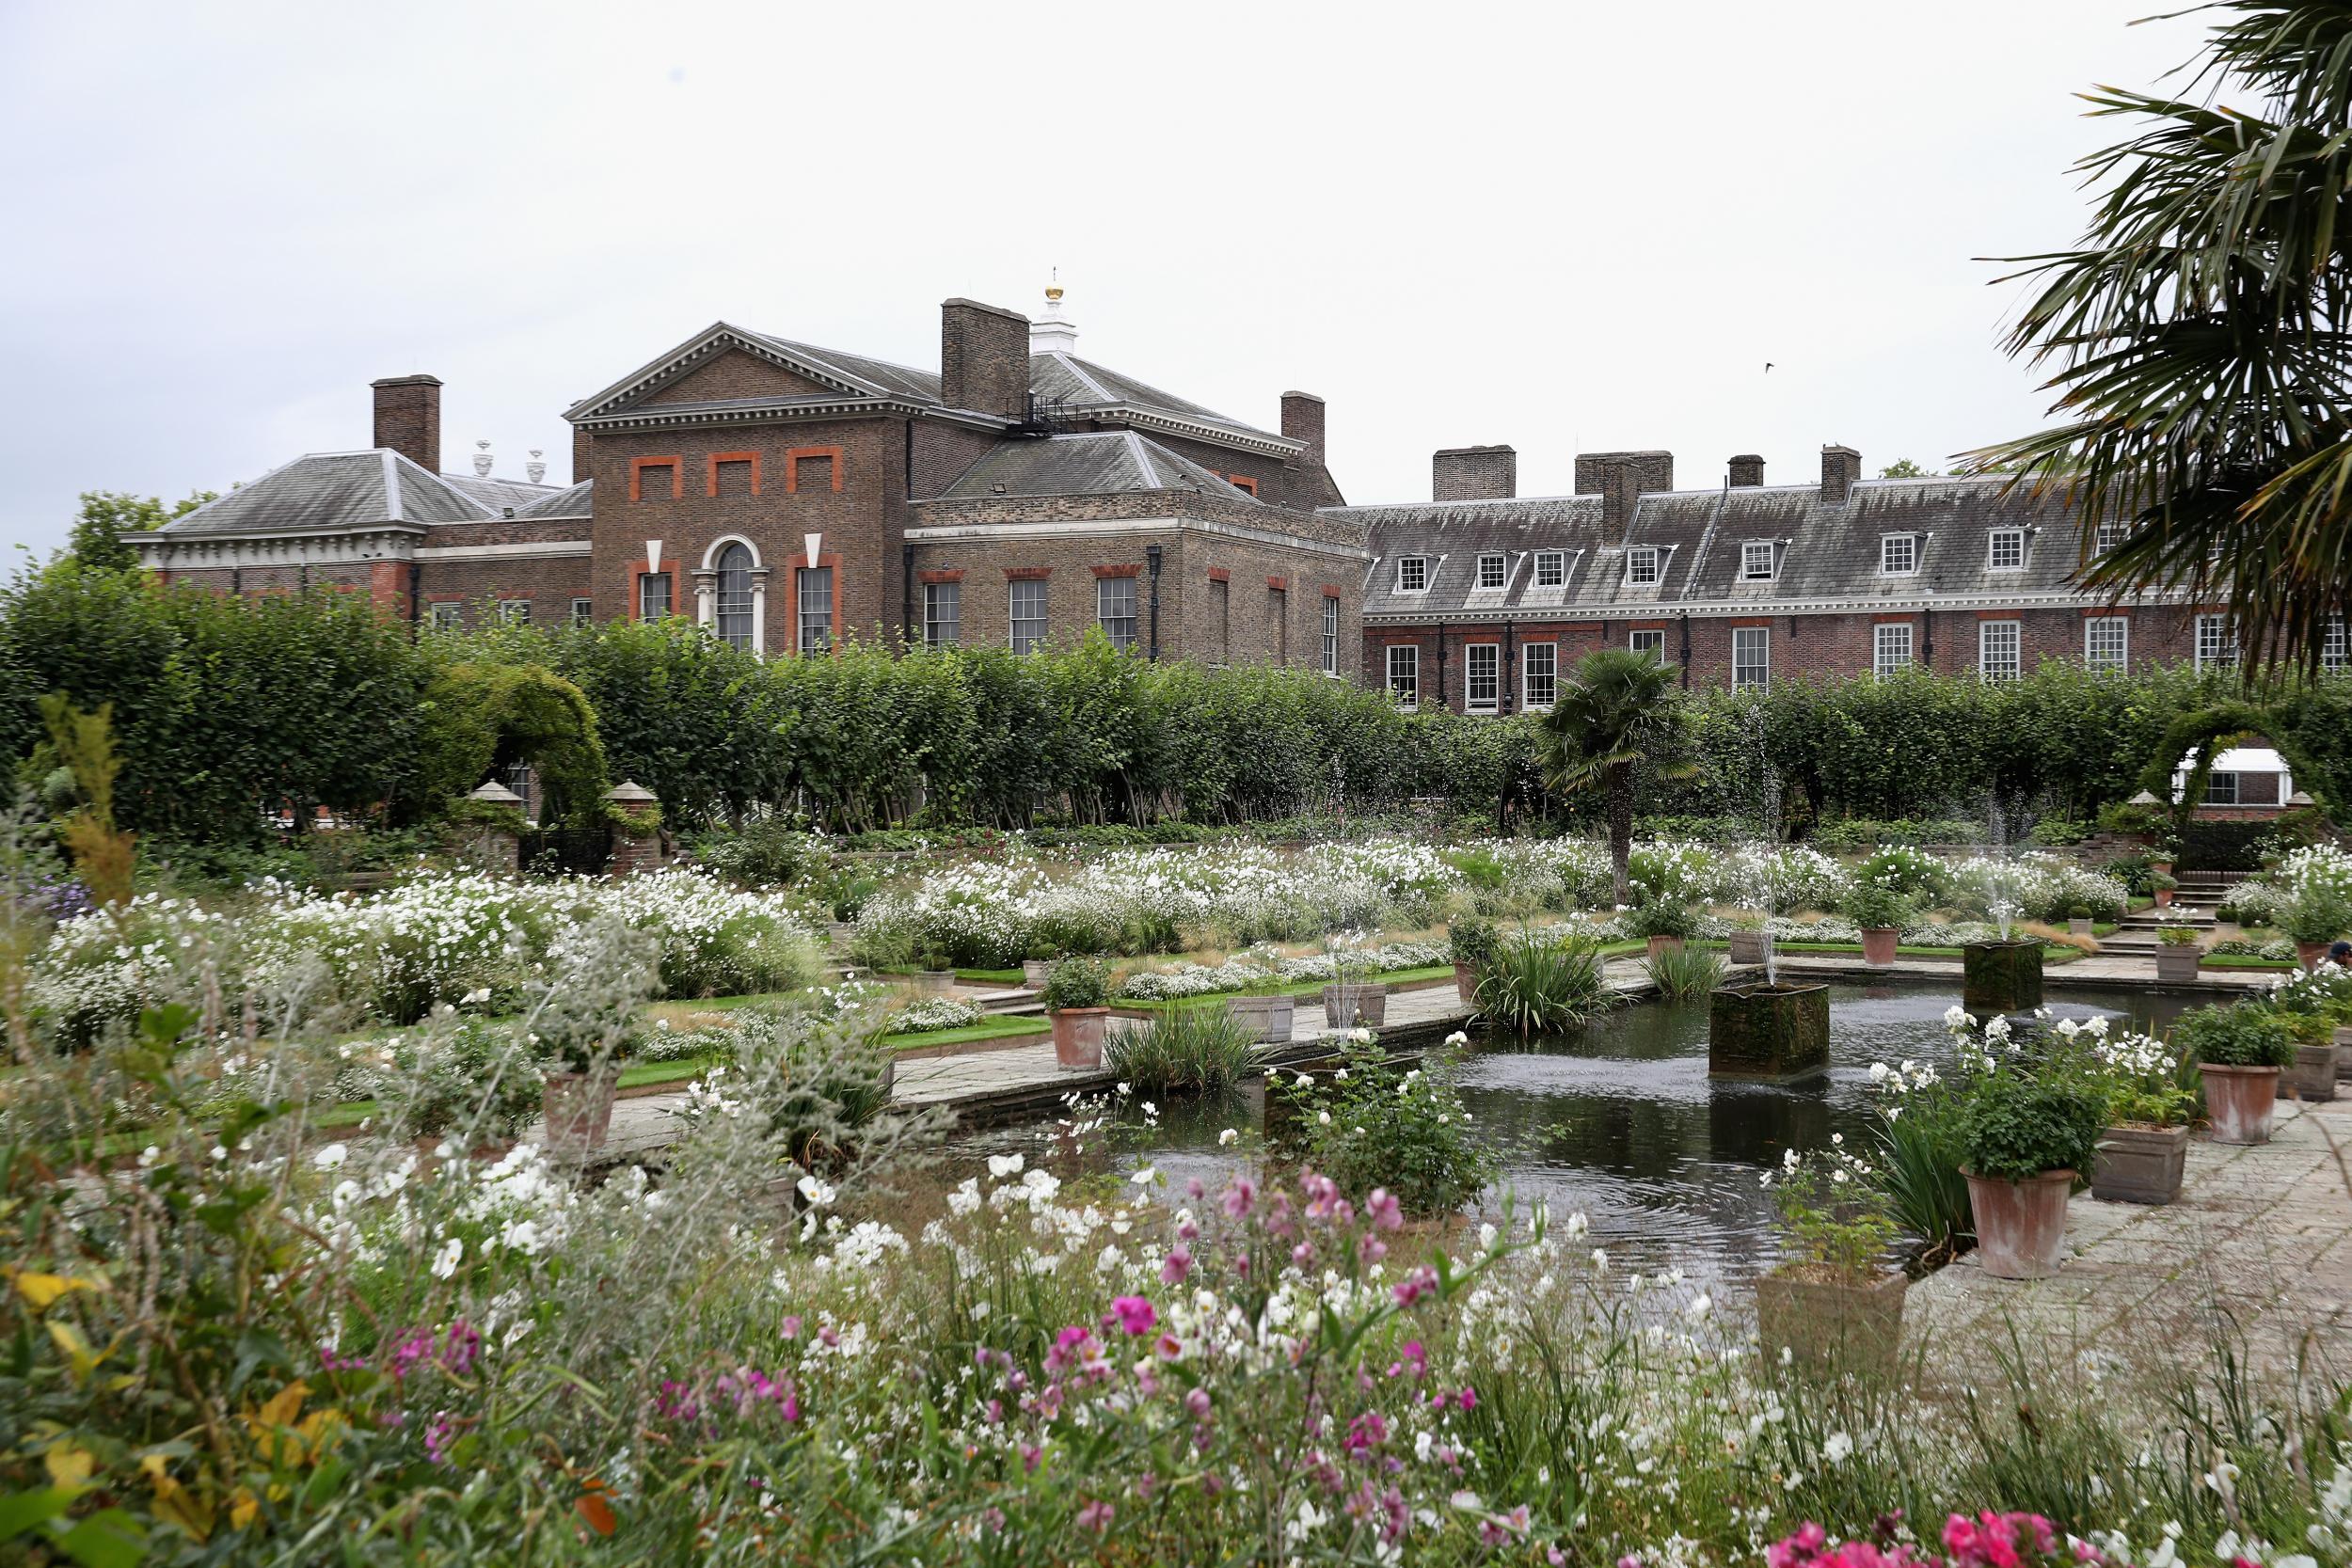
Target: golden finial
[(1053, 284)]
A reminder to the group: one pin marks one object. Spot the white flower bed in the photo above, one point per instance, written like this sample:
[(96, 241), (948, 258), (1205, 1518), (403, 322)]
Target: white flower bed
[(1243, 971)]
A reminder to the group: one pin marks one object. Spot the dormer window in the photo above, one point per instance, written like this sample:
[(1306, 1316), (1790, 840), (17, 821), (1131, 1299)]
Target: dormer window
[(2005, 550), (1899, 554), (1756, 561), (1412, 573), (2111, 533), (1551, 568), (1490, 571), (1641, 566)]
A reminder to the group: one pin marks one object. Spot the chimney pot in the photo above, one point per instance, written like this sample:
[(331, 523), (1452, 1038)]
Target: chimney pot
[(1841, 468), (1747, 471), (1470, 473), (984, 359), (408, 419)]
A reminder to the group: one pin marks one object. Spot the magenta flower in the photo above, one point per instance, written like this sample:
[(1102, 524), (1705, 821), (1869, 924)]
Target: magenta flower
[(1383, 1210), (1096, 1516), (1241, 1196), (1135, 1315), (1176, 1266), (1197, 1401), (1414, 1285)]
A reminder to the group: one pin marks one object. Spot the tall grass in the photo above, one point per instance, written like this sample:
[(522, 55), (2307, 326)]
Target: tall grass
[(1682, 973), (1540, 983), (1923, 1151), (1183, 1050)]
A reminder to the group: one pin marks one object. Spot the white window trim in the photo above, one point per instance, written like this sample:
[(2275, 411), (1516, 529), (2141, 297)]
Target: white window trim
[(1560, 556), (1657, 559), (1479, 577), (1912, 540), (1427, 576), (1388, 671), (1766, 633), (1993, 565), (1878, 630), (1494, 703), (931, 596), (1772, 561), (1984, 664), (2229, 643), (1013, 621), (2123, 652), (1659, 632), (1526, 672)]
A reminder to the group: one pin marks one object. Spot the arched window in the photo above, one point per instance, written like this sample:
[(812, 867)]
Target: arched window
[(734, 596)]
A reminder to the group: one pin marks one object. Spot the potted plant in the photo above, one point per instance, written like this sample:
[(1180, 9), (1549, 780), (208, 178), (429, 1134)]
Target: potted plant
[(2024, 1139), (1352, 999), (1746, 940), (2178, 954), (2078, 920), (2239, 1051), (1077, 994), (935, 972), (1833, 1300), (1879, 912), (1037, 966), (1470, 942), (1663, 923), (2318, 914), (2145, 1147), (580, 1067), (2313, 1073), (2161, 882)]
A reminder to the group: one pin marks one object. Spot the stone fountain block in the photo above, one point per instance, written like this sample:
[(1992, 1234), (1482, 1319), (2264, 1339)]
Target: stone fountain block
[(1999, 977), (1769, 1032)]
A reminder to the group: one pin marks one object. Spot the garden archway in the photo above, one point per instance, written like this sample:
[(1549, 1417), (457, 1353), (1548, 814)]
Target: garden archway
[(2209, 731), (482, 719)]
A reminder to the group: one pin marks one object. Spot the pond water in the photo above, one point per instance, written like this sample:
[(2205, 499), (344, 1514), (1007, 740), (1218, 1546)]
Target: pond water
[(1620, 1121)]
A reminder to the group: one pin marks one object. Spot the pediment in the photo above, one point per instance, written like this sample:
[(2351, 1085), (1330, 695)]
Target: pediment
[(728, 356)]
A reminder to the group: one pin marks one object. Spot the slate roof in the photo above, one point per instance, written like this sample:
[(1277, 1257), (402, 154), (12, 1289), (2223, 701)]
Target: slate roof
[(334, 489), (1823, 552), (1083, 384), (1091, 463), (573, 501), (499, 494), (880, 377)]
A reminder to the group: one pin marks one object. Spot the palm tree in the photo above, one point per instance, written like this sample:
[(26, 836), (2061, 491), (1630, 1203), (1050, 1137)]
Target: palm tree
[(1620, 719), (2201, 334)]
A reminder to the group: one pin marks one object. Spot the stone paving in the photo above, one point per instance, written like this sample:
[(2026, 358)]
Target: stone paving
[(2259, 1247)]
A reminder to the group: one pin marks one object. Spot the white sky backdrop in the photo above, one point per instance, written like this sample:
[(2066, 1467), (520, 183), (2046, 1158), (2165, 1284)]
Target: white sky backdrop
[(1563, 226)]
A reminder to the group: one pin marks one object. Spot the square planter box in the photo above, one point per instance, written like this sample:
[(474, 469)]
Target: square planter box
[(578, 1107), (2312, 1076), (1466, 985), (2343, 1056), (2139, 1165), (1877, 945), (936, 982), (1662, 944), (2020, 1225), (1849, 1326), (1267, 1017), (2077, 927), (1747, 948), (1353, 1007), (2178, 965), (1768, 1031), (1999, 977), (2239, 1101), (1034, 971)]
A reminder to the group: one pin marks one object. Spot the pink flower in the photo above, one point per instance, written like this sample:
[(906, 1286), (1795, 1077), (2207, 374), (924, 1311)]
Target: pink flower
[(1241, 1196), (792, 1325), (1322, 1193), (1413, 1358), (1177, 1264), (1414, 1285), (1135, 1315), (1167, 1346), (1197, 1401), (1096, 1516), (1383, 1210)]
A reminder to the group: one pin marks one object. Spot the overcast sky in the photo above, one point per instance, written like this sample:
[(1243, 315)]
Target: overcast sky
[(1563, 226)]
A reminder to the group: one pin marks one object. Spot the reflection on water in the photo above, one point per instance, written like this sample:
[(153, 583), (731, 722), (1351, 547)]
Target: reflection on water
[(1620, 1121)]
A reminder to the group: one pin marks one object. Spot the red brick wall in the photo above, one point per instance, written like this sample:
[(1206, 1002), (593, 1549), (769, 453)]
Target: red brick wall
[(738, 374)]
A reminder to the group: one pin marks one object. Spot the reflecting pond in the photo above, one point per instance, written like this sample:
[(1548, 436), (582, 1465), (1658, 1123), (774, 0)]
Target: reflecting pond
[(1620, 1120)]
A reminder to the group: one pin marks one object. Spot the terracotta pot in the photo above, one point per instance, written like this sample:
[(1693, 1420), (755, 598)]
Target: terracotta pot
[(1078, 1037), (1746, 947), (579, 1110), (1350, 1006), (1034, 971), (2077, 927), (2308, 953), (1848, 1324), (2160, 863), (2139, 1165), (2314, 1075), (2178, 965), (2163, 898), (1664, 945), (1267, 1017), (1466, 985), (2020, 1225), (2238, 1101), (1878, 946)]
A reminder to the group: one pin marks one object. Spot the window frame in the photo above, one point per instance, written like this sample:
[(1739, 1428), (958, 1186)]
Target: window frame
[(1493, 677), (1408, 694), (1910, 543), (1644, 566), (803, 577), (2236, 790), (669, 594), (2092, 659), (1529, 699), (1501, 563), (446, 614), (2225, 654), (2016, 630), (1106, 588), (1636, 640), (1420, 564), (1330, 635), (1772, 561), (1014, 592), (1762, 665), (513, 613), (2335, 645), (1559, 562), (934, 593), (2111, 533), (1881, 642), (1992, 542), (734, 560), (583, 611)]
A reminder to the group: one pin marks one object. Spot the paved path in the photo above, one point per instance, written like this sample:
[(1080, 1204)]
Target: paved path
[(2259, 1243), (2135, 970)]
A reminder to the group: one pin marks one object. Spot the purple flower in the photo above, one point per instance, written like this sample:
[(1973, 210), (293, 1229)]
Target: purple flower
[(1135, 1315), (1096, 1516), (1177, 1264)]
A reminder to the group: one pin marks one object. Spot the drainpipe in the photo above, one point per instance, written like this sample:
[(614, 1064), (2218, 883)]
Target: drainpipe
[(906, 594), (1926, 639), (1508, 678), (1152, 554), (1443, 701), (1686, 650)]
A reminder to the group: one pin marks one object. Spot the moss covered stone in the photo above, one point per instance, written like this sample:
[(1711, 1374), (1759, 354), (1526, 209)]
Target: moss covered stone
[(1775, 1032)]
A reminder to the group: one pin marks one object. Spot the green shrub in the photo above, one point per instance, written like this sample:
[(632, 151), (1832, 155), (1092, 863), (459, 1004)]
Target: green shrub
[(1076, 982), (1471, 941), (2243, 1034), (1183, 1050), (2013, 1127), (1540, 983), (1373, 1123), (1923, 1147), (1913, 873), (475, 1078), (2320, 911), (1662, 917), (1874, 906), (771, 852), (1682, 973)]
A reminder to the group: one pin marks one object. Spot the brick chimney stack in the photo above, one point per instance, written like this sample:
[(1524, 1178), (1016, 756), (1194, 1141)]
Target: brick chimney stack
[(581, 444), (1747, 471), (1620, 479), (984, 359), (1302, 421), (408, 419), (1473, 473), (1841, 468)]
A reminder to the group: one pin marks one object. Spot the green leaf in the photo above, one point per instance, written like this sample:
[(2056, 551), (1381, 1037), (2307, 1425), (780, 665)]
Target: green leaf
[(107, 1538), (24, 1510)]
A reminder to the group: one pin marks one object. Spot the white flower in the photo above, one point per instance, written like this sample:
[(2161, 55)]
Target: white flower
[(445, 1261), (1486, 1234), (815, 1191), (1700, 1305), (1838, 1449), (1001, 1166), (1144, 1176), (1323, 1118), (329, 1158), (1227, 1138)]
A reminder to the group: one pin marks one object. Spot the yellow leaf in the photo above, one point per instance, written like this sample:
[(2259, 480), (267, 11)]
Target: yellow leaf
[(44, 1288), (174, 1503), (283, 1406), (68, 1465), (69, 1340), (243, 1506)]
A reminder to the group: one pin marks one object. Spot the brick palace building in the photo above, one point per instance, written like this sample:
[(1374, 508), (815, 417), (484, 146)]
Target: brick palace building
[(785, 496)]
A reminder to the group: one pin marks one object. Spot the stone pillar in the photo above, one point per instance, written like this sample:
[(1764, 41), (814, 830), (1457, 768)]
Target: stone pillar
[(494, 848), (759, 611), (641, 850)]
